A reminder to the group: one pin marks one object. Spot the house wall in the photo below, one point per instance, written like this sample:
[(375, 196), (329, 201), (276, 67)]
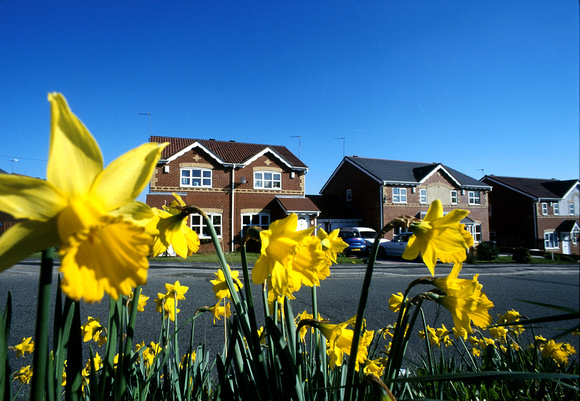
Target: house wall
[(512, 218), (365, 195), (366, 198), (438, 186), (218, 198)]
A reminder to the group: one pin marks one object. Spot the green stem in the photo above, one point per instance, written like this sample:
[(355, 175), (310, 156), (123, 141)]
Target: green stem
[(40, 359)]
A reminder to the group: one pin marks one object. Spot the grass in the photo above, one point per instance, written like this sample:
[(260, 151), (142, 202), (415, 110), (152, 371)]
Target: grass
[(235, 257)]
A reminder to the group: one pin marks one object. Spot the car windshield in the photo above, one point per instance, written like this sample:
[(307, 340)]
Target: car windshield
[(368, 234)]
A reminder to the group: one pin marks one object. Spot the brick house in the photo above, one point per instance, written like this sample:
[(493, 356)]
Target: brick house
[(6, 220), (538, 214), (238, 184), (380, 190)]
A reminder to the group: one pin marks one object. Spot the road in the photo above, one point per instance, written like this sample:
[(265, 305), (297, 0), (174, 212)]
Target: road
[(506, 285)]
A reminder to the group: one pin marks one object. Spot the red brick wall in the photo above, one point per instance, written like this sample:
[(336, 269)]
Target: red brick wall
[(218, 198)]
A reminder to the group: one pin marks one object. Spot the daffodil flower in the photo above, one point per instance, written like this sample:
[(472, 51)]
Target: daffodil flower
[(395, 302), (220, 286), (279, 243), (92, 329), (24, 375), (339, 340), (78, 206), (141, 304), (176, 290), (332, 244), (439, 237), (218, 310), (468, 304), (170, 229), (27, 345)]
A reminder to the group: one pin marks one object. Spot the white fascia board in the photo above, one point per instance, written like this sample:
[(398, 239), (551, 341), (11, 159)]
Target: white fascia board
[(400, 183), (195, 145), (572, 188), (266, 150), (514, 189), (440, 167)]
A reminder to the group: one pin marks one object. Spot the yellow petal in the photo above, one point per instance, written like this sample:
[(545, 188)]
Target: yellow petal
[(111, 259), (126, 177), (74, 158), (29, 198), (435, 211), (24, 239)]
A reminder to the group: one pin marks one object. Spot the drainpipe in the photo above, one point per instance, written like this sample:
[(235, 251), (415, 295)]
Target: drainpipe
[(232, 210), (381, 207), (535, 214)]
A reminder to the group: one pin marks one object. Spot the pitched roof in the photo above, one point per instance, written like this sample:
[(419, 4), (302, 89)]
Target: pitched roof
[(3, 172), (333, 207), (396, 172), (297, 204), (535, 187), (227, 151)]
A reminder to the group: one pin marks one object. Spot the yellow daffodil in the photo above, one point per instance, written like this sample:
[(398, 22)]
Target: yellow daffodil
[(395, 302), (218, 310), (176, 290), (27, 345), (150, 352), (331, 243), (467, 305), (97, 365), (24, 375), (559, 352), (439, 236), (339, 340), (220, 286), (464, 299), (460, 332), (279, 243), (142, 302), (431, 336), (499, 333), (167, 306), (309, 264), (102, 249), (184, 359), (170, 229), (92, 330), (374, 367)]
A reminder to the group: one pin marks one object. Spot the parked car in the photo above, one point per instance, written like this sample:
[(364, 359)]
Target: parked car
[(396, 246), (356, 243), (355, 234)]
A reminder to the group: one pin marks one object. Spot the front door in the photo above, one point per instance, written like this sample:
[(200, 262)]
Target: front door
[(565, 243), (302, 222)]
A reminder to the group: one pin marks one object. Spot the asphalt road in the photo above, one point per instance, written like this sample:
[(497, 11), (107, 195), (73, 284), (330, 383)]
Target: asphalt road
[(506, 285)]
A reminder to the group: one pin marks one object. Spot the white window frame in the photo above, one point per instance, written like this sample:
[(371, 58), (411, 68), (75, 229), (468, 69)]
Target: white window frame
[(571, 209), (556, 208), (544, 209), (474, 197), (261, 180), (348, 195), (475, 231), (399, 195), (263, 222), (551, 240), (197, 224), (454, 197), (574, 235), (423, 196), (205, 177)]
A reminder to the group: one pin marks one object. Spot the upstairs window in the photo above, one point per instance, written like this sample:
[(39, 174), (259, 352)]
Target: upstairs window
[(423, 196), (267, 180), (556, 208), (474, 197), (348, 195), (196, 177), (571, 209), (453, 197), (399, 195), (544, 209)]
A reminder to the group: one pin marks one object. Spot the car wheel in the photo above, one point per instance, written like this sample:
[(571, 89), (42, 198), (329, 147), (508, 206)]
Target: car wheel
[(382, 252)]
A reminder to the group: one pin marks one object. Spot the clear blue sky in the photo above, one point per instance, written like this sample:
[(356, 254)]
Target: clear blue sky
[(480, 86)]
